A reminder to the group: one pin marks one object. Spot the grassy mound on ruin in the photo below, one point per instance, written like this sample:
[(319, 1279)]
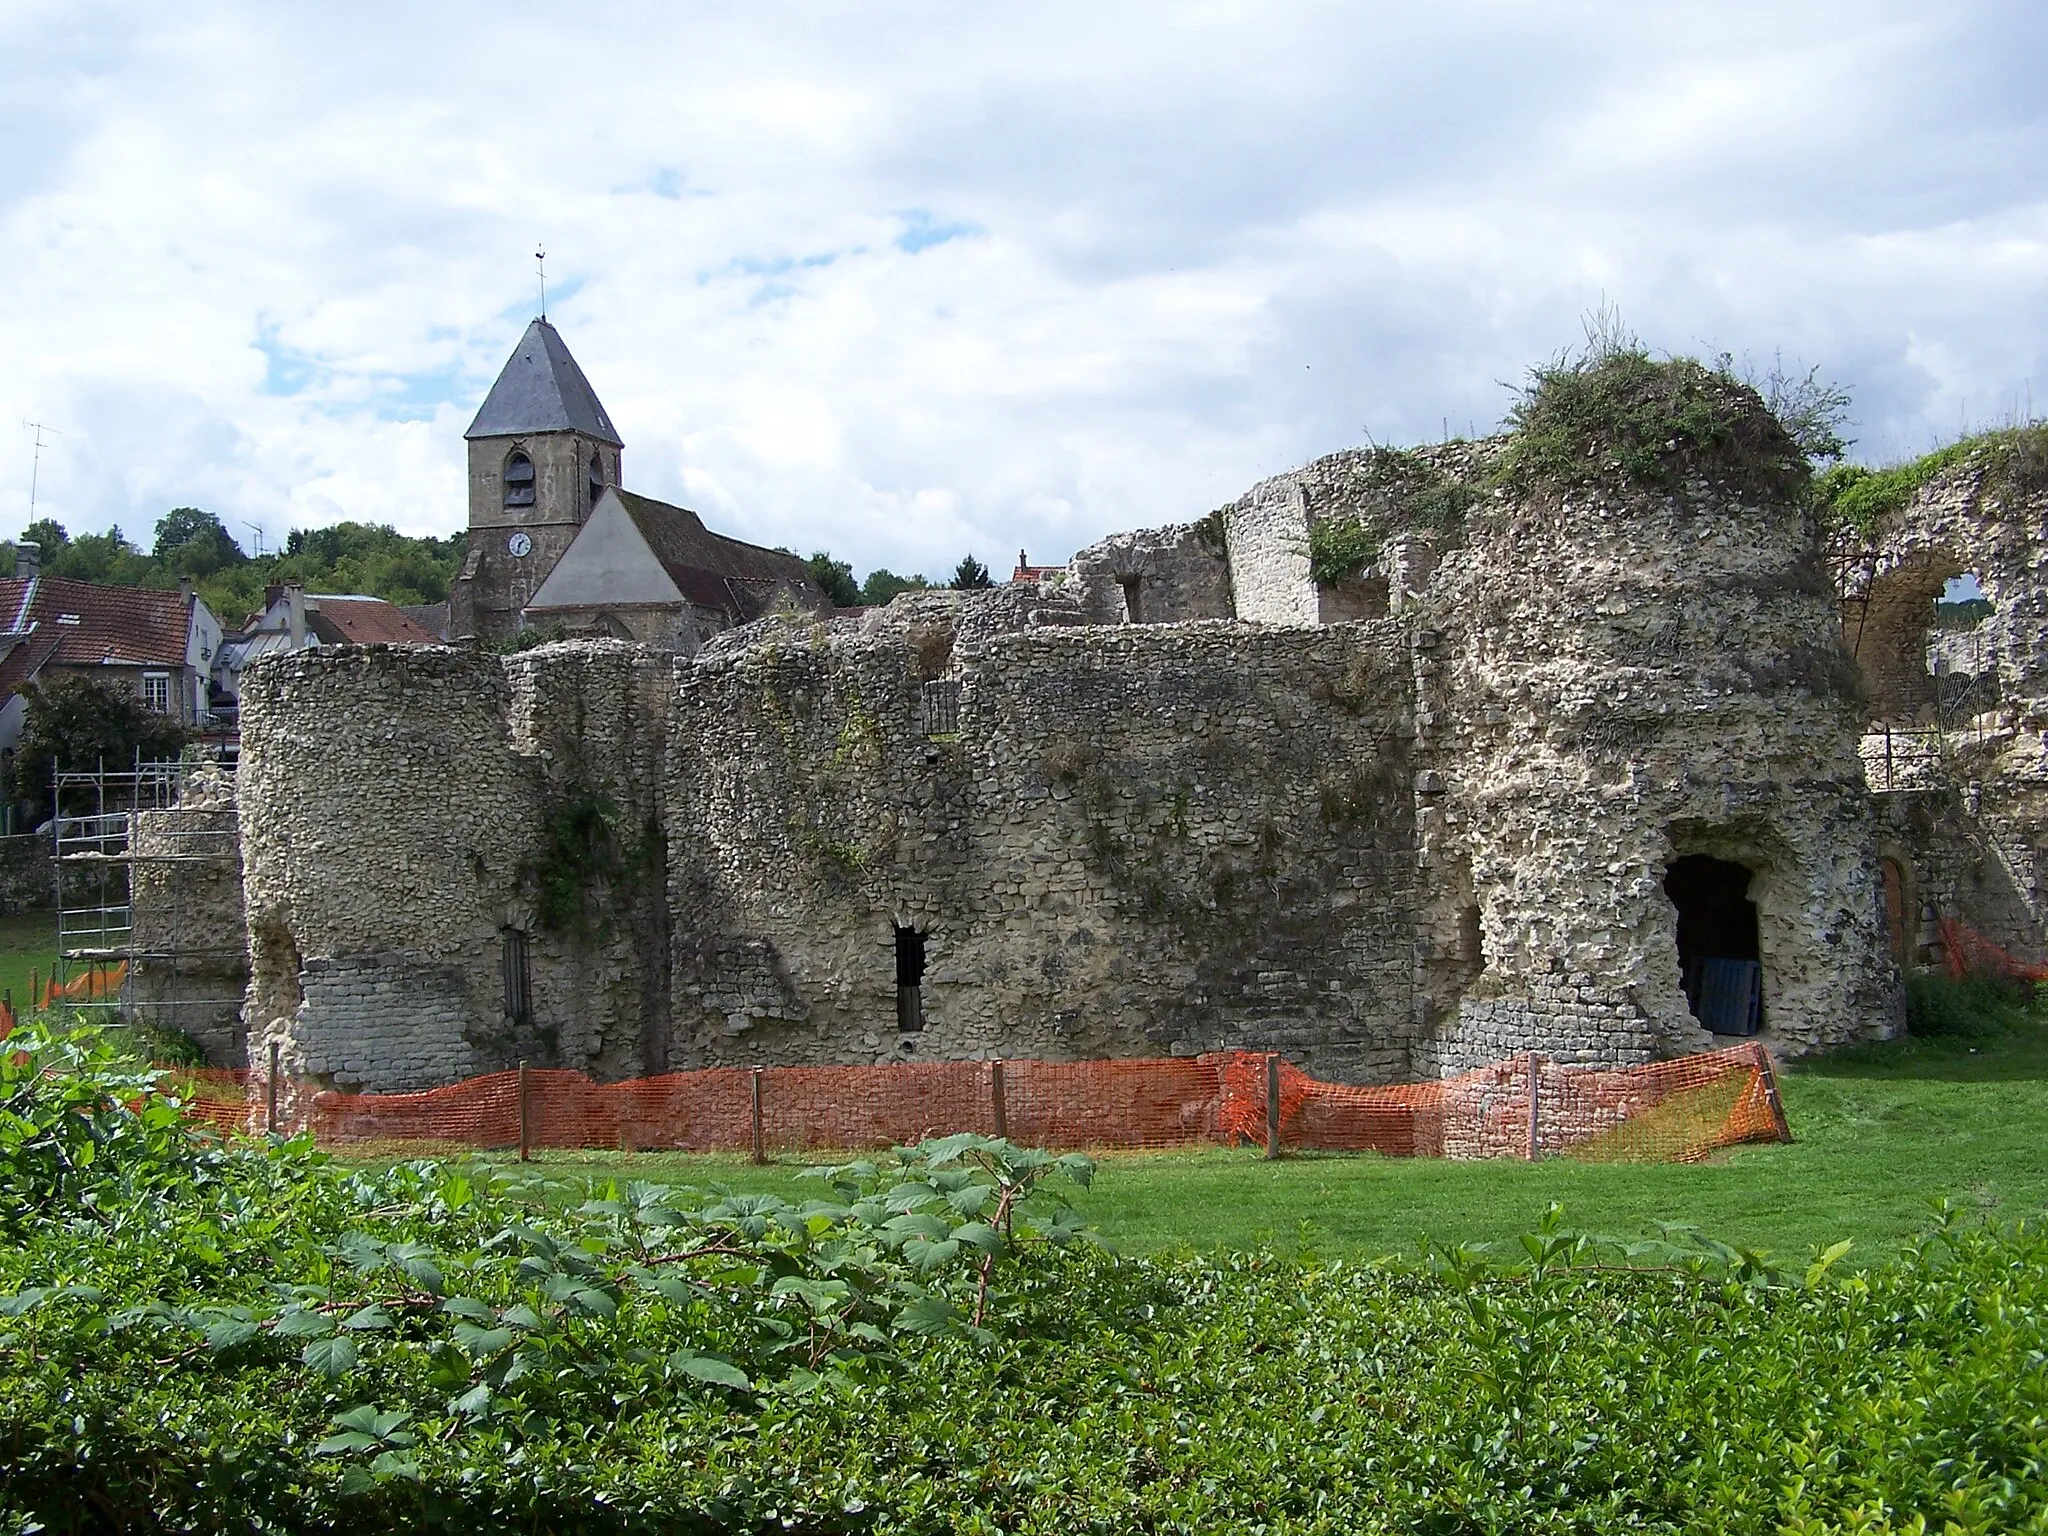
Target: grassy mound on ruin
[(1615, 416)]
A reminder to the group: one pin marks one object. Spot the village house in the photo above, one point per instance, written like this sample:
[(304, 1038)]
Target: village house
[(160, 645)]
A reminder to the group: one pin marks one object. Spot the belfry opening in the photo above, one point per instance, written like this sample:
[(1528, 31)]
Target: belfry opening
[(1720, 957)]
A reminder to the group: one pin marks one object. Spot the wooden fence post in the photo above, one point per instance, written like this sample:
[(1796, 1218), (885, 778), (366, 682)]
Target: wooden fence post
[(1535, 1111), (998, 1102), (1273, 1105), (525, 1115), (760, 1141), (270, 1090), (1769, 1075)]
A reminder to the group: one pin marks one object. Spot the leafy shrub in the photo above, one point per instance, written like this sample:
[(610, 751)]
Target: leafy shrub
[(1339, 548), (1979, 1004), (268, 1342), (80, 1123), (1392, 492)]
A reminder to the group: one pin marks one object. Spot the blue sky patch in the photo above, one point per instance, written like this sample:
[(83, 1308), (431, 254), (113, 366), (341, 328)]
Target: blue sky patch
[(921, 231)]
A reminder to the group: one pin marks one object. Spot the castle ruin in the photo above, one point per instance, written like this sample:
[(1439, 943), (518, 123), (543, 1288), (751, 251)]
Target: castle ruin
[(1399, 764)]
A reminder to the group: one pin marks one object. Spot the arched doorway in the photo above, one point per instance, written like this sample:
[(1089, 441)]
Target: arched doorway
[(1720, 959), (1896, 931)]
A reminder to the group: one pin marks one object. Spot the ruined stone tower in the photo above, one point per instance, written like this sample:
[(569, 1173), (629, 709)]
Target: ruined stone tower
[(541, 452)]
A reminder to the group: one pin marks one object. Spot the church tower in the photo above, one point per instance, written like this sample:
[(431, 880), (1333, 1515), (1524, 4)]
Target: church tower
[(541, 453)]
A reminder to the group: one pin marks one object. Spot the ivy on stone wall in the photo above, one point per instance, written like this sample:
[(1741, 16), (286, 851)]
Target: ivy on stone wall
[(581, 853)]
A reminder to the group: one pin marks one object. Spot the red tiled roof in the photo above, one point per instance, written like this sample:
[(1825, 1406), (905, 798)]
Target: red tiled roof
[(81, 624), (365, 621)]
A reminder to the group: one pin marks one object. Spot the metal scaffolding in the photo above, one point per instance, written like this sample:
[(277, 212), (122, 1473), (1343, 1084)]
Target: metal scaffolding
[(100, 856)]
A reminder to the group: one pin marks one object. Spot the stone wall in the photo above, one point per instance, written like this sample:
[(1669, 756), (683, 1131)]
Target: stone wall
[(1170, 574), (1626, 679), (1962, 775), (1389, 846), (1154, 839), (423, 826), (190, 937), (27, 873)]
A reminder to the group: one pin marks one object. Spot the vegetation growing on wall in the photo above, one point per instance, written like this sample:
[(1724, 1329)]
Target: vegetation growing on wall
[(1858, 500), (581, 854), (1391, 492), (1613, 413)]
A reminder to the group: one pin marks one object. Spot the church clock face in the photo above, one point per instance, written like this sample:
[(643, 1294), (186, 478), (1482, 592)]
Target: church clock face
[(520, 544)]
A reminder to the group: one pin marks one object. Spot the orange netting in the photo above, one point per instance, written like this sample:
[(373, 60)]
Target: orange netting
[(1526, 1107), (1969, 953)]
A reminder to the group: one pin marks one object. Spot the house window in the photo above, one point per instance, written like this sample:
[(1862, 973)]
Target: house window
[(518, 969), (156, 691), (518, 480), (596, 478), (1134, 612)]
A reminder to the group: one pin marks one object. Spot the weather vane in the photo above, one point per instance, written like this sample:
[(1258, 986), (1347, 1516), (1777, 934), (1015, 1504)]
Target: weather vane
[(36, 463), (540, 265)]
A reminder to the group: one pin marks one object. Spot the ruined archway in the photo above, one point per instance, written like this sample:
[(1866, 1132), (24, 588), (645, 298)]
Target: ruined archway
[(1720, 953), (1886, 626)]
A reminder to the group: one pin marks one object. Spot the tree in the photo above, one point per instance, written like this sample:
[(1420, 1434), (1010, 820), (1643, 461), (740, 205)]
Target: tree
[(79, 722), (107, 559), (970, 575), (194, 543), (47, 533), (834, 579), (883, 584)]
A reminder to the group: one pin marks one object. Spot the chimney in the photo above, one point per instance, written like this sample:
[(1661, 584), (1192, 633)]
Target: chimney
[(186, 589), (28, 559), (295, 596)]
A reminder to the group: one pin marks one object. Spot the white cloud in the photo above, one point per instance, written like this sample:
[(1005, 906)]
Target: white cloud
[(907, 279)]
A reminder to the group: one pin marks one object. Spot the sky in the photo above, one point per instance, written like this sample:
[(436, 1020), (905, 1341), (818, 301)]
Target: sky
[(908, 280)]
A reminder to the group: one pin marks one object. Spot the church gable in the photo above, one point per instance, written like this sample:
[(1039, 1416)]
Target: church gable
[(608, 563)]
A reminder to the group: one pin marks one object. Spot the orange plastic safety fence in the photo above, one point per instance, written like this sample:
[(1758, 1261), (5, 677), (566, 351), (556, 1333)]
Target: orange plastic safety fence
[(1525, 1107), (1969, 953)]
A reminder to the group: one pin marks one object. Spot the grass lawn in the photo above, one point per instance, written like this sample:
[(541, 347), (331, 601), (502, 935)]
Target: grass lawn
[(28, 942), (1882, 1132)]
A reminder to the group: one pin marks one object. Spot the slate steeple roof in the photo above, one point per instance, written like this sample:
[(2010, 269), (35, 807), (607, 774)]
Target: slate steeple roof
[(542, 390)]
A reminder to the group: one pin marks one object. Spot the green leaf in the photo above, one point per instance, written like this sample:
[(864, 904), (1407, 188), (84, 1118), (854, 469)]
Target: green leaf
[(482, 1341), (720, 1373), (469, 1307), (344, 1443), (391, 1465), (1820, 1266), (592, 1302), (475, 1403), (367, 1319), (23, 1302), (980, 1235), (929, 1315), (928, 1256), (332, 1358), (229, 1332), (303, 1323)]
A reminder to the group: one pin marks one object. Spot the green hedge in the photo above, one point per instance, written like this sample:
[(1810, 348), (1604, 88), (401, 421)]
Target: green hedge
[(254, 1339)]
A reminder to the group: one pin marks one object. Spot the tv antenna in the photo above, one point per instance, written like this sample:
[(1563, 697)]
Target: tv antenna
[(35, 467), (540, 265), (257, 529)]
